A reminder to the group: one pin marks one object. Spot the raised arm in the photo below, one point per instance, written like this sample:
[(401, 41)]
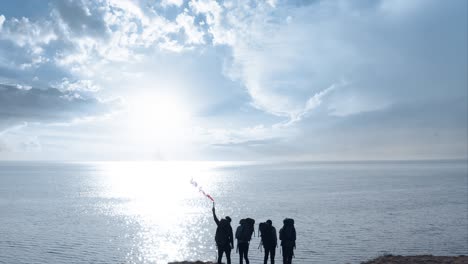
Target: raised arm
[(214, 216)]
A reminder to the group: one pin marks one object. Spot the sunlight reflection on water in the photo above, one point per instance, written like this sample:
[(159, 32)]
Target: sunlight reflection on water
[(160, 198)]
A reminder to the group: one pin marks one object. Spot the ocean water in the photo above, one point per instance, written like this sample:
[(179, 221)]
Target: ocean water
[(148, 212)]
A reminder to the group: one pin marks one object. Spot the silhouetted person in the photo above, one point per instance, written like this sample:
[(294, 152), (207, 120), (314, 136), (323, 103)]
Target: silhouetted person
[(224, 238), (269, 241), (243, 235), (288, 240)]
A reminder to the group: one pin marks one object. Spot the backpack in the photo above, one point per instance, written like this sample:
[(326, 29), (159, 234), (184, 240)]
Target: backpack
[(262, 227), (266, 232), (245, 230), (222, 233), (288, 233)]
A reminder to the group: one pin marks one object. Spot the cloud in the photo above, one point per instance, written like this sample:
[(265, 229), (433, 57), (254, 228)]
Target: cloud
[(3, 146), (13, 128), (286, 56), (31, 144), (187, 23), (284, 53), (290, 68), (250, 136), (435, 129), (248, 143), (272, 57), (80, 18), (314, 102), (24, 32), (25, 41), (87, 86), (129, 8), (211, 9), (78, 39), (48, 106), (2, 20), (13, 139), (177, 3), (118, 32)]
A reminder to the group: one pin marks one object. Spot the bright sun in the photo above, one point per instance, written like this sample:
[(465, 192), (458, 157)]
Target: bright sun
[(158, 118)]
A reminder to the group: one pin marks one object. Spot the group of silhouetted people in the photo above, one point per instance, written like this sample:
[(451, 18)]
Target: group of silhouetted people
[(225, 239)]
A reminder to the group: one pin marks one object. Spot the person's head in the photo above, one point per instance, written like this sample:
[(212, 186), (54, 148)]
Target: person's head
[(288, 221), (269, 222), (241, 221), (228, 219)]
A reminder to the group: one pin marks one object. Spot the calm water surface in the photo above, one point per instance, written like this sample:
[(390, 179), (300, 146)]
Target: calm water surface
[(141, 212)]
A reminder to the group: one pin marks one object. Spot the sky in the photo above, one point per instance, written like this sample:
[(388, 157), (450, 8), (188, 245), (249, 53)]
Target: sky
[(236, 80)]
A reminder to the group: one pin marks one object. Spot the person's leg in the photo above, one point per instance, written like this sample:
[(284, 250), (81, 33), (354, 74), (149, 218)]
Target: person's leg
[(220, 254), (246, 253), (290, 254), (285, 256), (241, 253), (265, 259), (228, 254), (272, 255)]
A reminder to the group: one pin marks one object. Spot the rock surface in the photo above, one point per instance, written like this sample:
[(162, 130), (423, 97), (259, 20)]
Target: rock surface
[(424, 259), (389, 259)]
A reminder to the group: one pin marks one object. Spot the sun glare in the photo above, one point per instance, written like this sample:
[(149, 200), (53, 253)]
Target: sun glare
[(160, 119)]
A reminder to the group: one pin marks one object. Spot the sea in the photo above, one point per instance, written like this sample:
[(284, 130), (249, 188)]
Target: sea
[(152, 212)]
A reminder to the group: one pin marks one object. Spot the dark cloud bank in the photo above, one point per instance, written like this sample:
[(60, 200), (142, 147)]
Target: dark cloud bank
[(19, 105)]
